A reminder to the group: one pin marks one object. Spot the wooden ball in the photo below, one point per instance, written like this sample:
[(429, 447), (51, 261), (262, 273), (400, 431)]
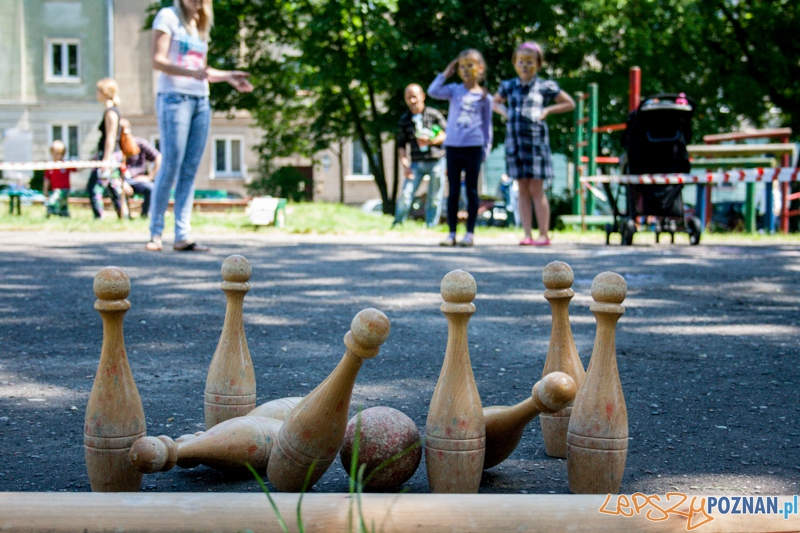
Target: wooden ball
[(609, 287), (149, 455), (385, 433), (557, 275), (236, 269), (112, 283), (556, 390), (370, 328), (459, 287)]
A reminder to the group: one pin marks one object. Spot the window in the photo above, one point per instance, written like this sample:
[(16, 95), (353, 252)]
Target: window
[(228, 157), (69, 135), (359, 161), (63, 61)]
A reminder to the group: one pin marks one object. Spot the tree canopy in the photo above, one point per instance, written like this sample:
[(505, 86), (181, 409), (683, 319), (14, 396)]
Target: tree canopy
[(328, 69)]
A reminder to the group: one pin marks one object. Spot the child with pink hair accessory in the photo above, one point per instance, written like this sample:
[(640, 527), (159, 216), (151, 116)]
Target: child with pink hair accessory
[(528, 156)]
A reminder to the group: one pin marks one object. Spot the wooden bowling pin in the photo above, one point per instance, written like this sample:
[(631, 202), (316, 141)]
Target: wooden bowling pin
[(114, 415), (279, 409), (313, 433), (455, 433), (228, 446), (505, 425), (597, 440), (231, 382), (562, 355)]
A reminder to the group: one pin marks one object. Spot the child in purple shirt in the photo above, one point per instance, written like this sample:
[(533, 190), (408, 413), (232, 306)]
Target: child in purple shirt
[(469, 135)]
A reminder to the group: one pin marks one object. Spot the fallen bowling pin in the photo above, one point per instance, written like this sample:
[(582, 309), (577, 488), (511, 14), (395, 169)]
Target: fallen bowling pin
[(228, 446), (279, 409), (505, 425), (313, 433), (597, 440)]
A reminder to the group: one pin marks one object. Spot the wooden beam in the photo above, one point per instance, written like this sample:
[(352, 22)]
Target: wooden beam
[(742, 135), (27, 512), (743, 150)]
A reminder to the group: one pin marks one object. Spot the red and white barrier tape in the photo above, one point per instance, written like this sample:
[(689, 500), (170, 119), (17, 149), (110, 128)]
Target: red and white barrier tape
[(51, 165), (750, 175)]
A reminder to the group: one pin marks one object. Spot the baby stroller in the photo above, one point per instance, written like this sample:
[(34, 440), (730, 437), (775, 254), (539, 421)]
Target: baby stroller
[(655, 140)]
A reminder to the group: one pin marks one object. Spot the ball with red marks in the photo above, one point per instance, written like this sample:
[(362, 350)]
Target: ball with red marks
[(385, 434)]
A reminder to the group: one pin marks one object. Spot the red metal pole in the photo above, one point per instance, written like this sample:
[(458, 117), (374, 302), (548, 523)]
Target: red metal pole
[(785, 193), (634, 88)]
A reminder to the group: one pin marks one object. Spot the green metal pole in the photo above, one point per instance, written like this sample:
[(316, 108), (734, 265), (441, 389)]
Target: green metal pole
[(750, 208), (577, 154), (592, 151)]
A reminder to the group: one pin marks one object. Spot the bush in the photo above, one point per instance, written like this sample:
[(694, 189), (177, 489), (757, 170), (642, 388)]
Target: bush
[(285, 182)]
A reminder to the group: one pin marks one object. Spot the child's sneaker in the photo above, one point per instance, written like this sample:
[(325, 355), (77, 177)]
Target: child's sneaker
[(449, 241), (466, 242)]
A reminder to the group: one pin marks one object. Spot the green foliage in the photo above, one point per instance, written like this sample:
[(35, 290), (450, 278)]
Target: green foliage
[(324, 70), (285, 182), (37, 181)]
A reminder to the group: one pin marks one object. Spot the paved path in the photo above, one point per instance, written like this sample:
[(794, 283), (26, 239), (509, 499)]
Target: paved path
[(708, 349)]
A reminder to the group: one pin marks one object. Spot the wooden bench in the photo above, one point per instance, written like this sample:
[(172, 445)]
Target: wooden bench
[(198, 205), (591, 221)]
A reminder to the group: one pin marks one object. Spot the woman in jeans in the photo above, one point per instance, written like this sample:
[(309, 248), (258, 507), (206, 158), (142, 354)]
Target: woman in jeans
[(180, 47)]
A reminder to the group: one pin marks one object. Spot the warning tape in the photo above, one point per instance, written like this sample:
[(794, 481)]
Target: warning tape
[(750, 175), (53, 165)]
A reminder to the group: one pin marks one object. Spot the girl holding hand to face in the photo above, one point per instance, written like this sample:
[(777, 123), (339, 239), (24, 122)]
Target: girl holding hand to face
[(528, 158), (180, 48), (469, 135)]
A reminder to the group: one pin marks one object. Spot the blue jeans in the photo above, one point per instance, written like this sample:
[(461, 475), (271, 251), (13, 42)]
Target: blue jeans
[(433, 204), (183, 123)]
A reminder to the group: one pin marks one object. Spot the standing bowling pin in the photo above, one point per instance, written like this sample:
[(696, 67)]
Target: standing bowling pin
[(231, 381), (505, 425), (313, 433), (562, 355), (455, 434), (114, 414), (597, 441), (226, 447)]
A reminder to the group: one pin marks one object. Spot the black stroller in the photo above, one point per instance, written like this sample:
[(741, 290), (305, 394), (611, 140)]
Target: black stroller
[(655, 140)]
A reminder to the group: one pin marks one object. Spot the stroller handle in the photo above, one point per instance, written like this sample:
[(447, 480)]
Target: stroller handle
[(670, 96)]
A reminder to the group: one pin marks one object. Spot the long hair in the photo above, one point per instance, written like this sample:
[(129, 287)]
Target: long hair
[(205, 17), (110, 89)]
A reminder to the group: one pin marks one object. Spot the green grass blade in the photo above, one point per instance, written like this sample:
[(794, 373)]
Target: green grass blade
[(269, 497)]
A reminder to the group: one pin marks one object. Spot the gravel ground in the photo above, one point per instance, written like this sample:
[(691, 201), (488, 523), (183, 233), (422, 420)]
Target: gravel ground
[(708, 350)]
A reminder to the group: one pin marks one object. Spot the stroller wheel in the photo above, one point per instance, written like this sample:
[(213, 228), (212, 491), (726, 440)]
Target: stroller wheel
[(627, 231), (609, 230), (694, 229)]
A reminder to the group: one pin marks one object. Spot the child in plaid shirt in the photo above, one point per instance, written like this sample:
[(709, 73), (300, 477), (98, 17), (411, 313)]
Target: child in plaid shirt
[(527, 139)]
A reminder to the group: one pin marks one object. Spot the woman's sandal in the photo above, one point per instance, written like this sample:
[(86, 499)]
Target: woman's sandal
[(154, 245), (190, 246)]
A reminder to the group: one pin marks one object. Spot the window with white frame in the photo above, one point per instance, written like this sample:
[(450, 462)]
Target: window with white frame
[(359, 162), (69, 134), (63, 58), (228, 157)]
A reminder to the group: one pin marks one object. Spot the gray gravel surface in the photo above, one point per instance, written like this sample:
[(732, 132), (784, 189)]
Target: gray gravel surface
[(708, 350)]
